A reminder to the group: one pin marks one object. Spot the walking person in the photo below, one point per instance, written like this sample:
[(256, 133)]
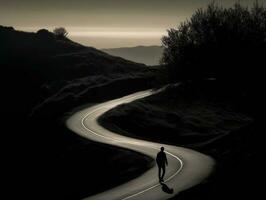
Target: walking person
[(161, 160)]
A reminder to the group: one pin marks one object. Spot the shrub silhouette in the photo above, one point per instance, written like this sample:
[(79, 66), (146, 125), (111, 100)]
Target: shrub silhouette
[(45, 34), (60, 32), (217, 42)]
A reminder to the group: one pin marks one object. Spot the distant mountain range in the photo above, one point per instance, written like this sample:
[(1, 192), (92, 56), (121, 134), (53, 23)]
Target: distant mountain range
[(149, 55)]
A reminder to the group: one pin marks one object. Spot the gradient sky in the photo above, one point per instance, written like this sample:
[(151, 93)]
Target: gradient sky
[(104, 23)]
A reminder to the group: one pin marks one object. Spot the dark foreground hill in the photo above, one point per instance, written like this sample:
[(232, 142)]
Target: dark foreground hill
[(149, 55), (43, 78)]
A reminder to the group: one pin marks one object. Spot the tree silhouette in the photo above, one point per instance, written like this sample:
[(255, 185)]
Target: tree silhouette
[(60, 32), (217, 42)]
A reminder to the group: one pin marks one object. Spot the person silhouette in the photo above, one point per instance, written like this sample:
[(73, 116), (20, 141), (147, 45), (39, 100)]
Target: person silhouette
[(161, 161)]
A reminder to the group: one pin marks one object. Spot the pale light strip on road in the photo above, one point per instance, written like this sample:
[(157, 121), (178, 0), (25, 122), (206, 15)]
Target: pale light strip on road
[(106, 137)]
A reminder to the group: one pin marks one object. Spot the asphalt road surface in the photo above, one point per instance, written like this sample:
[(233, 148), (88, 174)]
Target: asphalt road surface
[(186, 167)]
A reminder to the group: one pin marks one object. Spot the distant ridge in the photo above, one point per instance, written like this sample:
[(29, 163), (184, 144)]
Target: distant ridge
[(149, 55)]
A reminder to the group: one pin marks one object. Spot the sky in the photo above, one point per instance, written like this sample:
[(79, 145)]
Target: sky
[(104, 23)]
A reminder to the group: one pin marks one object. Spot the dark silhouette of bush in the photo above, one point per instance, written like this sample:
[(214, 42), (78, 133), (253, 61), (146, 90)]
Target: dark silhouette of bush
[(60, 32), (217, 42), (45, 34)]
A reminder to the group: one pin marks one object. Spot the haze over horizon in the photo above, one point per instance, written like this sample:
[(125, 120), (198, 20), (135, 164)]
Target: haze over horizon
[(104, 24)]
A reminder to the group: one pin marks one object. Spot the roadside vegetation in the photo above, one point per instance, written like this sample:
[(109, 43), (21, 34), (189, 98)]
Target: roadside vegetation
[(217, 42)]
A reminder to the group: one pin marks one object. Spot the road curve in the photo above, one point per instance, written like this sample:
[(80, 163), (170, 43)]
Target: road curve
[(186, 167)]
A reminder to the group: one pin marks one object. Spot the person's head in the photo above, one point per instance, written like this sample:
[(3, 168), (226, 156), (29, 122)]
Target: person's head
[(162, 148)]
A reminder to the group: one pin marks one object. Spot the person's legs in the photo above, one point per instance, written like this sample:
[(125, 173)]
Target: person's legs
[(159, 170), (163, 167)]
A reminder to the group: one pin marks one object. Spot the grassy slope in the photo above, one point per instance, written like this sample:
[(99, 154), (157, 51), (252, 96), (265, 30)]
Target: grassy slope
[(180, 114), (206, 117)]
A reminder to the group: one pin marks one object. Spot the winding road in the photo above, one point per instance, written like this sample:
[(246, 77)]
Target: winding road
[(186, 167)]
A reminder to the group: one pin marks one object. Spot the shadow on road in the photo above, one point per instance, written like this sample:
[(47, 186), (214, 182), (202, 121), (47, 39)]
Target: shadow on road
[(166, 189)]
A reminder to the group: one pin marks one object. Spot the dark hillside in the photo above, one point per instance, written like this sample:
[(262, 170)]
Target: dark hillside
[(37, 65), (44, 78)]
